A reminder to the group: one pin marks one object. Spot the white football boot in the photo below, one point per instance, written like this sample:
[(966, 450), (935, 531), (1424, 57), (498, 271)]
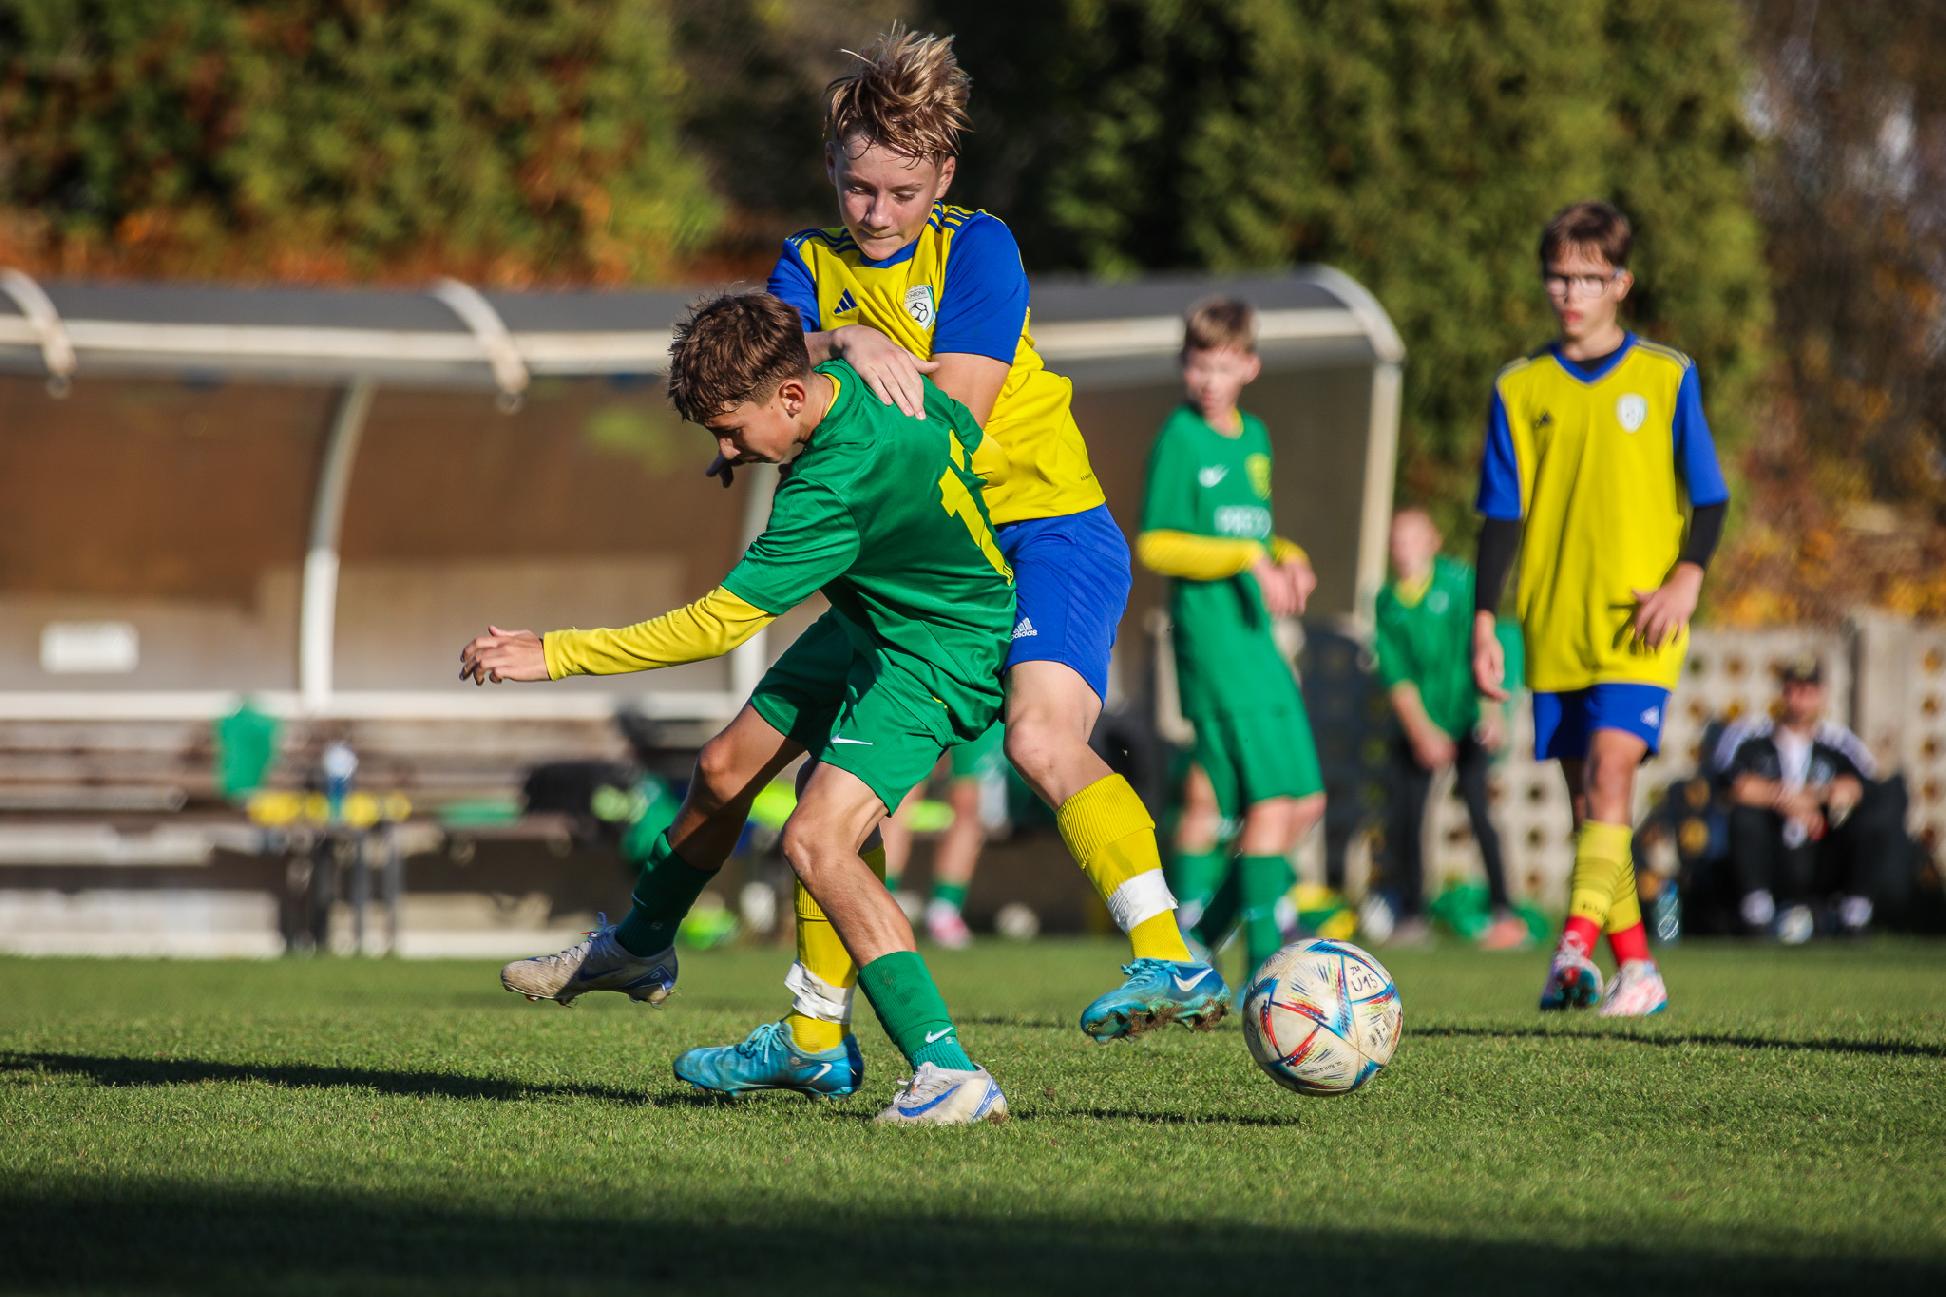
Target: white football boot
[(1636, 992), (940, 1096), (599, 963)]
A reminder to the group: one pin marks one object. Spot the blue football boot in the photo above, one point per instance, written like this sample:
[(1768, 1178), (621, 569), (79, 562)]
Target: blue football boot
[(1573, 981), (768, 1059), (1157, 993)]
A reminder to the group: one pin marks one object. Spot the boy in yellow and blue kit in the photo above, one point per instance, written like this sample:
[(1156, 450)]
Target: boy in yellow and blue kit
[(908, 288), (1592, 443)]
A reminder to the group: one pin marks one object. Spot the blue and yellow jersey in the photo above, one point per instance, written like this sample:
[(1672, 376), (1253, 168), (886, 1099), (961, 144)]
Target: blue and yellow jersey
[(1597, 459), (959, 288)]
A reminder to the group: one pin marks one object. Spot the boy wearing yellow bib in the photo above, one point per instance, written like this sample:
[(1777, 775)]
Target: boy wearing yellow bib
[(1592, 443)]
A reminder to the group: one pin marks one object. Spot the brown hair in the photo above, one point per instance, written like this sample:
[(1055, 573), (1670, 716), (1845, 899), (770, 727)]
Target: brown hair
[(1220, 322), (734, 348), (1590, 224), (907, 94)]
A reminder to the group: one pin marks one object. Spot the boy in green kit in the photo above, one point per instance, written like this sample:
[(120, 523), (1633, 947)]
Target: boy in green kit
[(1424, 645), (880, 512), (1206, 523)]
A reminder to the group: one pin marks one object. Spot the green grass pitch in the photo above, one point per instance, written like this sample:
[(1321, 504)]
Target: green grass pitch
[(376, 1126)]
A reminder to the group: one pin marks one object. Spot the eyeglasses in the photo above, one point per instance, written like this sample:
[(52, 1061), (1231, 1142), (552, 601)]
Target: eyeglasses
[(1560, 285)]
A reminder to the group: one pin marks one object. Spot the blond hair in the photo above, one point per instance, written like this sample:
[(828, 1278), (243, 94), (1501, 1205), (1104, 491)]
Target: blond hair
[(907, 94), (1218, 322), (734, 348)]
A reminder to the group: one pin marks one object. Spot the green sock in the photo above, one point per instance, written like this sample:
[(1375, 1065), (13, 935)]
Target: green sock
[(892, 884), (1220, 911), (1264, 881), (953, 894), (1194, 878), (911, 1010), (665, 889)]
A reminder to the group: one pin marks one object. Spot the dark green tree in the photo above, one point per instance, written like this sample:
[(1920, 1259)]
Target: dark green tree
[(1417, 144)]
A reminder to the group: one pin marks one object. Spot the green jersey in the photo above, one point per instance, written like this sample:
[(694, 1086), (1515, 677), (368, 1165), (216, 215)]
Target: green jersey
[(1207, 483), (1425, 637), (881, 513)]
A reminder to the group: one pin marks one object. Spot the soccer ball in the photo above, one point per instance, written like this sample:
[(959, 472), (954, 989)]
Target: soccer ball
[(1322, 1017)]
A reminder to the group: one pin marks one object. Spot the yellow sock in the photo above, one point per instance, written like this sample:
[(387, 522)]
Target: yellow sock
[(1109, 833), (1625, 911), (1600, 854), (820, 952)]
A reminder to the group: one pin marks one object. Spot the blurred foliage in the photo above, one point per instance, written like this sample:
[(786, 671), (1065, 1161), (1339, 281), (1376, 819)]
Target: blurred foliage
[(1418, 145), (754, 112), (331, 139), (1848, 489)]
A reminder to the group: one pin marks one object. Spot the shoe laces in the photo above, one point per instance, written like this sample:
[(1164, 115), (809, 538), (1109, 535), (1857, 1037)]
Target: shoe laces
[(759, 1040), (1145, 967), (929, 1080), (577, 953)]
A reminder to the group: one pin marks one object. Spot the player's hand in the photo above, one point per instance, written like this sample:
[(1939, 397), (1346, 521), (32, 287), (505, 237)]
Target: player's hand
[(721, 469), (1433, 749), (1280, 600), (1491, 732), (1661, 614), (892, 372), (1489, 660), (502, 655), (1303, 580)]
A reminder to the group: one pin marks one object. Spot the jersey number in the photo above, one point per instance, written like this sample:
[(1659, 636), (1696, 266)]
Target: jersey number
[(955, 499)]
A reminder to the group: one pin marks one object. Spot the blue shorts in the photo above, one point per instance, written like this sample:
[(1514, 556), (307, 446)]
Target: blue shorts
[(1071, 581), (1564, 722)]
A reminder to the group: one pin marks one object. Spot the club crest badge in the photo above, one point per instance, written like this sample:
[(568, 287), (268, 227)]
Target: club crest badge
[(1631, 410), (919, 305), (1258, 466)]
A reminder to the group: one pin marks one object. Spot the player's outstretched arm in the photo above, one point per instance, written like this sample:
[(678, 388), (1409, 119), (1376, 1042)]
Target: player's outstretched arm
[(708, 628)]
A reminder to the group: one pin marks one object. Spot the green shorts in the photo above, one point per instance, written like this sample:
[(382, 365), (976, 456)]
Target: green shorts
[(983, 758), (1253, 756), (845, 708)]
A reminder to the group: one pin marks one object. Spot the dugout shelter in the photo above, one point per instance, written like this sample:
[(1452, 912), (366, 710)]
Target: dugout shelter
[(315, 496)]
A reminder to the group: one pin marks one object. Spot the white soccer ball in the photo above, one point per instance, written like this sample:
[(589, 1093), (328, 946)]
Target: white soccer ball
[(1322, 1017)]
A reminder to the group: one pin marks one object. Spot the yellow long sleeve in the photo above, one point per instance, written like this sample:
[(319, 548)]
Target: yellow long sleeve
[(708, 628), (1283, 551), (1195, 558)]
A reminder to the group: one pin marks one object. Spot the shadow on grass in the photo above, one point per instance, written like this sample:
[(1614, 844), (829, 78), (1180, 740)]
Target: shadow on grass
[(176, 1239), (1712, 1040), (112, 1071), (120, 1071)]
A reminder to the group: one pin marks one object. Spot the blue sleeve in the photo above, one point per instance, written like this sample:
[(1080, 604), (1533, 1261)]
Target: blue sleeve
[(790, 281), (983, 304), (1695, 448), (1499, 469)]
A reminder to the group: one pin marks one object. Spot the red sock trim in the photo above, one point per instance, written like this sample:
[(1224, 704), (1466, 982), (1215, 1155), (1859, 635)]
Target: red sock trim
[(1629, 943), (1582, 932)]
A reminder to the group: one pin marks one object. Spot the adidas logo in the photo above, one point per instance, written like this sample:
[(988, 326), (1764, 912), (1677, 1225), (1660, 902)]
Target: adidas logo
[(845, 303), (1026, 629)]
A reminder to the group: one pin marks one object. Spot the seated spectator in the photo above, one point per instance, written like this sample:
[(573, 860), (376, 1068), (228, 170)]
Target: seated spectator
[(1808, 826)]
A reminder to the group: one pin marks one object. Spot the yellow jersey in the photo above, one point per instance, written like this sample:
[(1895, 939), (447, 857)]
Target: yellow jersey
[(958, 288), (1597, 457)]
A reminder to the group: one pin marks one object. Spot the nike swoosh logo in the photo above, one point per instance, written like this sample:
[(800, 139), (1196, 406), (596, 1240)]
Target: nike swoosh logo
[(819, 1074), (1184, 985), (932, 1036), (855, 742)]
